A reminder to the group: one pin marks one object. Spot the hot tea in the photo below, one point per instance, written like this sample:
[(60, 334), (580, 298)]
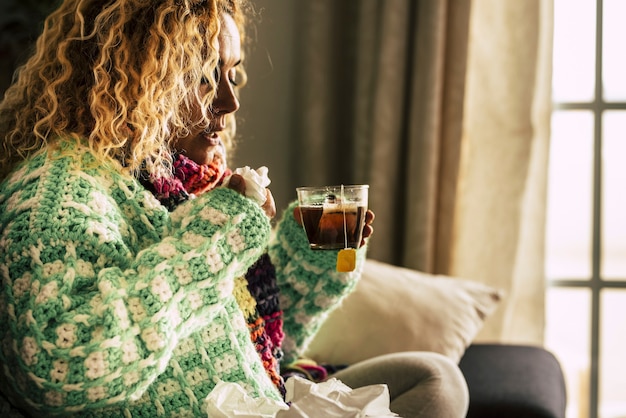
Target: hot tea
[(334, 226), (333, 216)]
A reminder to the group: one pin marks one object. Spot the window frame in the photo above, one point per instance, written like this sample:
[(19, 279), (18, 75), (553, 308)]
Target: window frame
[(595, 284)]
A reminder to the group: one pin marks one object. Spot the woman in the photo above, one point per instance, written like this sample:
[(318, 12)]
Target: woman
[(115, 303)]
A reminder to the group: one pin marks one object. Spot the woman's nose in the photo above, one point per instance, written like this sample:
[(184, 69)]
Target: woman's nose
[(225, 101)]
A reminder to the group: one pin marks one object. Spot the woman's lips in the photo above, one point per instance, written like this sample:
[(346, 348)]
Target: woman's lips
[(212, 138)]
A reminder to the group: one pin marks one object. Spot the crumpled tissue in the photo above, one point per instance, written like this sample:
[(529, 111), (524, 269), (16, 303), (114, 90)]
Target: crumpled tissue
[(331, 398), (229, 400), (256, 182)]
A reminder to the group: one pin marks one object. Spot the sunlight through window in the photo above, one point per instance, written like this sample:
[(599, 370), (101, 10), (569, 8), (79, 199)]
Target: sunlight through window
[(586, 214)]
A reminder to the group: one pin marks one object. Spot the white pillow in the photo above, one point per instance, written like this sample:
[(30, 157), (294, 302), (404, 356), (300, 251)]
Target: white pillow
[(397, 309)]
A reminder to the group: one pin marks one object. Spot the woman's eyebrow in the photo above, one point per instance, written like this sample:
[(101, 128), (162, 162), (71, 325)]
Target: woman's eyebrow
[(220, 63)]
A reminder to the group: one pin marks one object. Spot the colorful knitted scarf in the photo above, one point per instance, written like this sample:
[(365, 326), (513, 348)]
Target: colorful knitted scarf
[(189, 178), (257, 293)]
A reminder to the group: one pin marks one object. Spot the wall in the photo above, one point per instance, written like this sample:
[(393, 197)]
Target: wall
[(266, 102)]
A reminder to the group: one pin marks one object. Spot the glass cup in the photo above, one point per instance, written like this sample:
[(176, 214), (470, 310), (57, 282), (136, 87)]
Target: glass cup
[(333, 216)]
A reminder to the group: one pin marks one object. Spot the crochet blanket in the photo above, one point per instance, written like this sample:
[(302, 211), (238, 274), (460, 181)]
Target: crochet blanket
[(257, 292), (113, 306)]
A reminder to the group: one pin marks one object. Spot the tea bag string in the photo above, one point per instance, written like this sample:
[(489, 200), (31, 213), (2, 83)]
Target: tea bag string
[(345, 226), (346, 258)]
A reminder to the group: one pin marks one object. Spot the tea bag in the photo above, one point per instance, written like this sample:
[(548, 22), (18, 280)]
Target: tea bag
[(346, 260)]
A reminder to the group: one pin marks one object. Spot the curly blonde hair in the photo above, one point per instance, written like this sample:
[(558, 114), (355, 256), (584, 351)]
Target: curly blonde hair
[(122, 74)]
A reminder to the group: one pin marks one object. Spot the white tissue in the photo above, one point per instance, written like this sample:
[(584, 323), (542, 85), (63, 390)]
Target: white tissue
[(330, 399), (256, 182), (229, 400), (335, 400)]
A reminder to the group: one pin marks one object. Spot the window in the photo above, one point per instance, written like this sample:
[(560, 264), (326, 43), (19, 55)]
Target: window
[(586, 218)]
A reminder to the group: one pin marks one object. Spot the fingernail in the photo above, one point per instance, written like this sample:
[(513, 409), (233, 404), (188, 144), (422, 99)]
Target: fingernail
[(235, 181)]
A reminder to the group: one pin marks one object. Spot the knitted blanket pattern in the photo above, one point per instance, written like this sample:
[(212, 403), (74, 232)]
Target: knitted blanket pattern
[(113, 306), (106, 297), (257, 295)]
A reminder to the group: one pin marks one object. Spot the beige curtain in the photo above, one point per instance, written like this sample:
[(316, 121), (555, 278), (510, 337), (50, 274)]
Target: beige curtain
[(443, 107), (500, 207)]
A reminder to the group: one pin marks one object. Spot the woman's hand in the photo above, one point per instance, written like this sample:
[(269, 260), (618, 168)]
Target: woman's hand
[(368, 229), (238, 184), (269, 206)]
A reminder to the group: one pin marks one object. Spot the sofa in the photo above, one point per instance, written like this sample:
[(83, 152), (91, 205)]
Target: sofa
[(409, 310), (513, 381)]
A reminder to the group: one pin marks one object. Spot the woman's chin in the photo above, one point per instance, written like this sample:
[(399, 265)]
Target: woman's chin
[(200, 151), (200, 160)]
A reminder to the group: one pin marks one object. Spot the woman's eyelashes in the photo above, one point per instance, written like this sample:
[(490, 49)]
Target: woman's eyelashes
[(232, 78)]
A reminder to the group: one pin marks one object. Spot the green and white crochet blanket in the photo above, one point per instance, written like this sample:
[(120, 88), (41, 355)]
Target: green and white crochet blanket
[(111, 306)]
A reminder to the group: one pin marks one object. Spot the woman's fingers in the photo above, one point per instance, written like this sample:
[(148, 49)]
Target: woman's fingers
[(237, 183), (368, 229), (269, 206)]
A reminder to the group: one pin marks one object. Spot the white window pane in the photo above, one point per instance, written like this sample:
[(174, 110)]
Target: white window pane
[(569, 208), (612, 349), (574, 50), (613, 261), (614, 58), (568, 337)]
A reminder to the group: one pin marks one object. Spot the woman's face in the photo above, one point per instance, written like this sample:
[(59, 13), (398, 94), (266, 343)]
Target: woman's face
[(201, 145)]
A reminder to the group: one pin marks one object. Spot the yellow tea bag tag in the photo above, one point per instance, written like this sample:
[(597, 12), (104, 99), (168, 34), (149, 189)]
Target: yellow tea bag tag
[(346, 260)]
